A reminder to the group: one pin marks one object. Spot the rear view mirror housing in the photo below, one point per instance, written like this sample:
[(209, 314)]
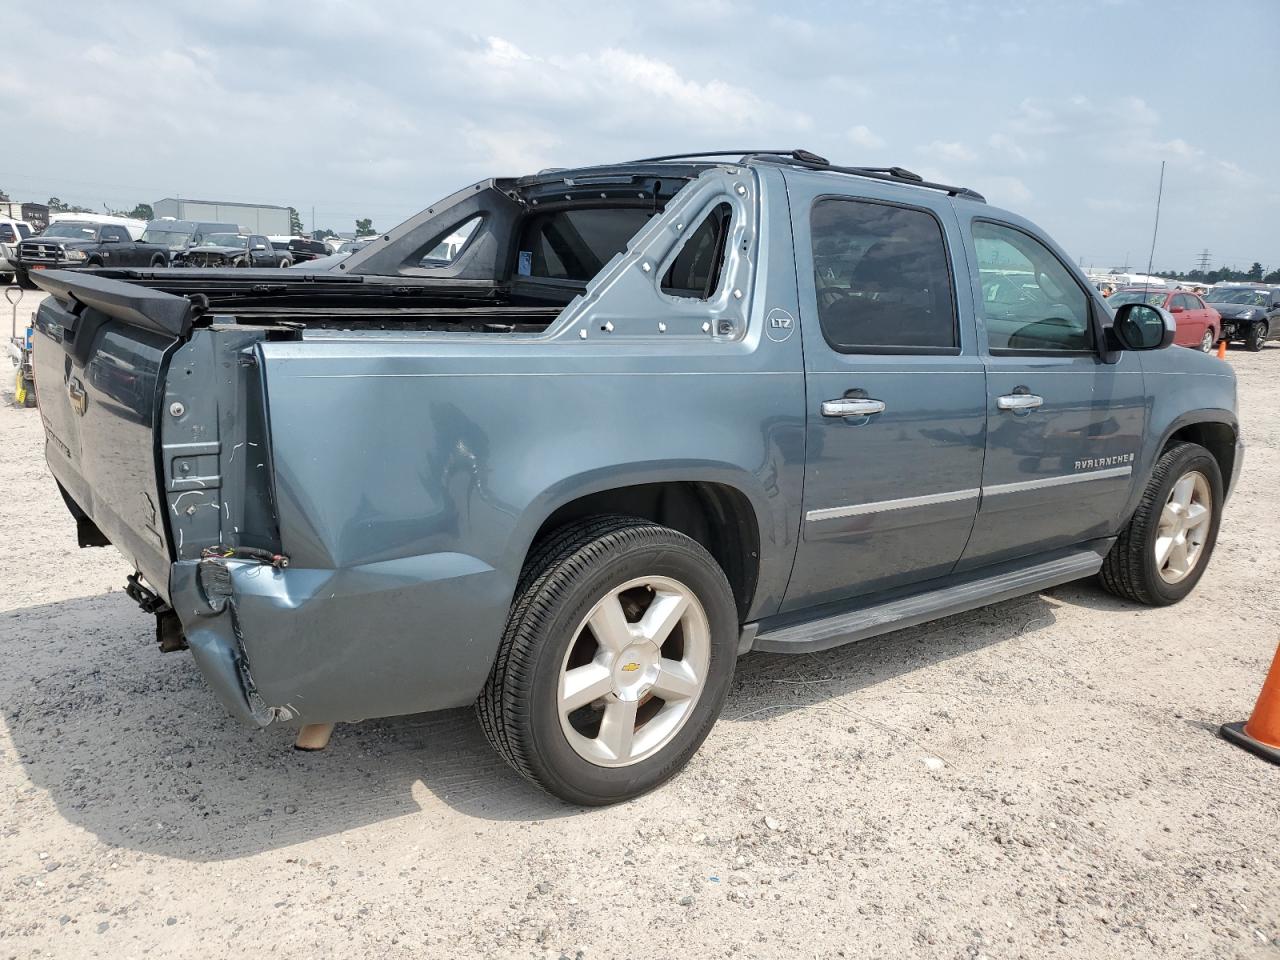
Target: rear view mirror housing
[(1140, 326)]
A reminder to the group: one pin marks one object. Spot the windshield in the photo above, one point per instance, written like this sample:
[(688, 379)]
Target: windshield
[(1151, 297), (173, 239), (225, 240), (82, 231), (1254, 298)]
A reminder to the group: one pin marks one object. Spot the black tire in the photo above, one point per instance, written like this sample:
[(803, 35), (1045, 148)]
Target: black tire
[(93, 262), (1255, 337), (158, 263), (1129, 570), (30, 389), (565, 576)]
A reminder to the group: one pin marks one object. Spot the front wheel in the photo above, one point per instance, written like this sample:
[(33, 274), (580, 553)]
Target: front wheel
[(1256, 336), (1208, 341), (615, 661), (1162, 553)]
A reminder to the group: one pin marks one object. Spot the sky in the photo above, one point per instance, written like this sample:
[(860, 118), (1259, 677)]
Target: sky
[(1060, 110)]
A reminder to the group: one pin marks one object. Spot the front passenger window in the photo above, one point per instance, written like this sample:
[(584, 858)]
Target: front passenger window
[(1030, 302)]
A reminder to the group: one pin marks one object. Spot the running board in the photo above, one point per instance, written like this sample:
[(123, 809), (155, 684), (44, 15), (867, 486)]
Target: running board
[(853, 625)]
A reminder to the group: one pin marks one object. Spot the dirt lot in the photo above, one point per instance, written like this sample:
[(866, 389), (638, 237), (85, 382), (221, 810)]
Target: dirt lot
[(1037, 779)]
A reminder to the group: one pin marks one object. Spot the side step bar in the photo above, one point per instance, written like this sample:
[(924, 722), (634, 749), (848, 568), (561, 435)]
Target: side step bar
[(865, 622)]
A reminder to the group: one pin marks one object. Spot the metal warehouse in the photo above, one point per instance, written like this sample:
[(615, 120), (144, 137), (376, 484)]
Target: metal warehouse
[(254, 217)]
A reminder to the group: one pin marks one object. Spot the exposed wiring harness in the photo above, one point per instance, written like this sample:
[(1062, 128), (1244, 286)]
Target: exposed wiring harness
[(278, 560)]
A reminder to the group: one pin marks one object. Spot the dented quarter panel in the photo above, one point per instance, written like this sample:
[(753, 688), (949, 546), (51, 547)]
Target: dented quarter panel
[(412, 471)]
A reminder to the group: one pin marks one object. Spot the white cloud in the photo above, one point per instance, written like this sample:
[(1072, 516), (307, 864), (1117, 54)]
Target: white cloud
[(1003, 191), (861, 136), (949, 151)]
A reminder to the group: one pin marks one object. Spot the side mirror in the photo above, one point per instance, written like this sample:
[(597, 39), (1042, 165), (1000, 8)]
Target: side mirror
[(258, 246), (110, 239), (1139, 326)]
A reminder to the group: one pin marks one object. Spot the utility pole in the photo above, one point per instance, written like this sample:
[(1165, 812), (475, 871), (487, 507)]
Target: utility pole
[(313, 221)]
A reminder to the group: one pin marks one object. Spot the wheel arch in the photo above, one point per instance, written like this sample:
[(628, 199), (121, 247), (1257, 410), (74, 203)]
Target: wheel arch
[(718, 515), (1211, 430)]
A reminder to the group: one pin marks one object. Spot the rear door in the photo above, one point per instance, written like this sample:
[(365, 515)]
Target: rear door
[(1063, 427), (99, 374), (1190, 322), (117, 249), (894, 389)]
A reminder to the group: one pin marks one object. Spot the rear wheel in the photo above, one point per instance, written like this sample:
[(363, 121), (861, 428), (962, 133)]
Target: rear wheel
[(1207, 341), (1256, 337), (1161, 554), (157, 263), (615, 661)]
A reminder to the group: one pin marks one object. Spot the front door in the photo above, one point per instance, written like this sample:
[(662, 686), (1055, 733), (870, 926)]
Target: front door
[(894, 388), (1063, 427)]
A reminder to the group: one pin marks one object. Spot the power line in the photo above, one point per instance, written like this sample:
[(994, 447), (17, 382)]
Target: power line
[(1203, 261)]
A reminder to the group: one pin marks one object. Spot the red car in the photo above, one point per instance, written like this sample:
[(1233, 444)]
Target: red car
[(1199, 325)]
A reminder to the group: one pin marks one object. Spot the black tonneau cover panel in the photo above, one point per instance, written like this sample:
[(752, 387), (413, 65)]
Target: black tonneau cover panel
[(130, 303)]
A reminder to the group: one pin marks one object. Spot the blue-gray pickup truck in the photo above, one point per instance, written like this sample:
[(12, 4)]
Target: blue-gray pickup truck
[(565, 446)]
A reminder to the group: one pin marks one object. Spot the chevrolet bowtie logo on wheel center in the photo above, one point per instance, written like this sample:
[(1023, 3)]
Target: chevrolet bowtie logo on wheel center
[(630, 667)]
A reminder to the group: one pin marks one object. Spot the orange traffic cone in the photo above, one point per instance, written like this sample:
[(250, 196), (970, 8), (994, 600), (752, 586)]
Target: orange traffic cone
[(1222, 349), (1261, 735)]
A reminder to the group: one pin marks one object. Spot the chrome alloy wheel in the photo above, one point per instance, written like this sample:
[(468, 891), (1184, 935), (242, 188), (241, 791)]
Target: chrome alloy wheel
[(634, 671), (1183, 527), (1207, 342)]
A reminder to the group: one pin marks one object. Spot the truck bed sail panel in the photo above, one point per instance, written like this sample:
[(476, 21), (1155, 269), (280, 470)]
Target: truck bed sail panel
[(138, 306)]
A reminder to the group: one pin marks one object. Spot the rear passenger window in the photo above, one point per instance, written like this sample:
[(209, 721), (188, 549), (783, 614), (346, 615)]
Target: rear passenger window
[(883, 278), (695, 272), (8, 234), (1030, 301)]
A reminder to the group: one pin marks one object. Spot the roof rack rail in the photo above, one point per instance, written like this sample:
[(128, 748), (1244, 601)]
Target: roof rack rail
[(811, 161)]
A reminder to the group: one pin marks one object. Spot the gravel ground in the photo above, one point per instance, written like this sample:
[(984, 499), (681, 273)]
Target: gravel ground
[(1040, 778)]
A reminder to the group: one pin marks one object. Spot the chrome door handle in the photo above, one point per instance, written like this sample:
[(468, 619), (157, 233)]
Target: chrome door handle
[(851, 407), (1019, 401)]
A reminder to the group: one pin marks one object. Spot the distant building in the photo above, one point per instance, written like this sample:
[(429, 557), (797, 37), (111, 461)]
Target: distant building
[(253, 217)]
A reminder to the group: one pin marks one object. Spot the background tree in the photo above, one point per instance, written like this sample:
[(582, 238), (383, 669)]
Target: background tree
[(142, 211), (57, 206), (4, 197), (295, 223), (364, 228), (1255, 272), (324, 234)]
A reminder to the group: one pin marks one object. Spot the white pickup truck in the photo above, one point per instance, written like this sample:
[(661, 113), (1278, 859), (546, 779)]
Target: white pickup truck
[(11, 231)]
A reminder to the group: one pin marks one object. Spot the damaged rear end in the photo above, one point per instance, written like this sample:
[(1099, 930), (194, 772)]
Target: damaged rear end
[(155, 426)]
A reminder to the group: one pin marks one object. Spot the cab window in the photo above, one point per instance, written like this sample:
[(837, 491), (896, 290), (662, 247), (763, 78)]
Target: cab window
[(882, 278), (1030, 301), (695, 272)]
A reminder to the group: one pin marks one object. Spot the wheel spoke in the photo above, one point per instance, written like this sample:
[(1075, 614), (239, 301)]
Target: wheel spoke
[(581, 685), (1182, 491), (1178, 556), (609, 625), (618, 728), (676, 681), (1163, 546), (661, 618), (1197, 516)]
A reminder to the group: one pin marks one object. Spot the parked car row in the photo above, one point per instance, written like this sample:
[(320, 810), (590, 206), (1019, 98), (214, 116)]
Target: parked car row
[(1247, 313), (78, 241)]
